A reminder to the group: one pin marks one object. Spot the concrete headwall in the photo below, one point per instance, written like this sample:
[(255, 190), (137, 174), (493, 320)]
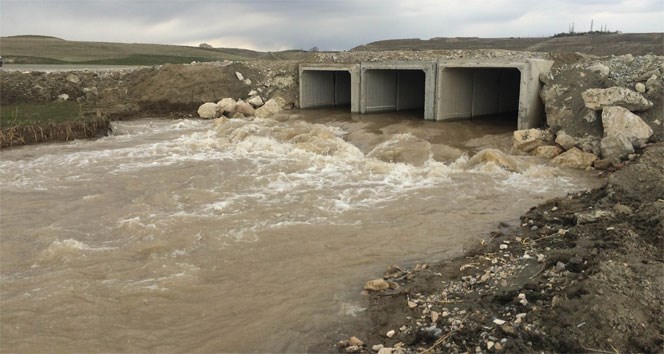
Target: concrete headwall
[(444, 90)]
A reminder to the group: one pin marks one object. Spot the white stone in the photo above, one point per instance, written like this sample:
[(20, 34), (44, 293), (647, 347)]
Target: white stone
[(73, 78), (499, 322), (209, 110), (377, 347), (597, 99), (619, 121), (227, 105), (255, 101), (252, 93), (63, 97), (528, 139), (239, 76), (390, 333), (496, 157), (616, 147), (270, 108), (247, 81), (575, 158), (386, 351), (565, 140), (640, 87)]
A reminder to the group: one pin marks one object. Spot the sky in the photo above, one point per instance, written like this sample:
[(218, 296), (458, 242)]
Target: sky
[(271, 25)]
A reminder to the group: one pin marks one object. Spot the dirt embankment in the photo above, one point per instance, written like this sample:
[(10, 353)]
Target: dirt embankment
[(581, 274)]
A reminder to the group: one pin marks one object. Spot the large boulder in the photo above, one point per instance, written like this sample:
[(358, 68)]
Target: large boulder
[(597, 99), (209, 110), (227, 105), (619, 121), (244, 108), (616, 147), (270, 108), (529, 139), (575, 158)]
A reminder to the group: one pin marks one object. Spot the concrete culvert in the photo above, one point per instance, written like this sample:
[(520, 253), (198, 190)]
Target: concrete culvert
[(329, 86)]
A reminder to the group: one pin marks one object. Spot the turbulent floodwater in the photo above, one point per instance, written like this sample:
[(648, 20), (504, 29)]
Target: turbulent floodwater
[(240, 236)]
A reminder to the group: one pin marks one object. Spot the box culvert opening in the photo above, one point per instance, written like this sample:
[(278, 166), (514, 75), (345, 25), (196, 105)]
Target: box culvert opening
[(325, 88), (394, 90), (473, 93)]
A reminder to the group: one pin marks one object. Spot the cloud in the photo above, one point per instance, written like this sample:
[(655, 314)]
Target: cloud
[(327, 24)]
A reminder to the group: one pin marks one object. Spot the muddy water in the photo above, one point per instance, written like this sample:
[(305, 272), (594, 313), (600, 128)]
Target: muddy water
[(240, 236)]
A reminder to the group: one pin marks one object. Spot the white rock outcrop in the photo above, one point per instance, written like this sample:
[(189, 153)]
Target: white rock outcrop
[(597, 99), (209, 110), (620, 121)]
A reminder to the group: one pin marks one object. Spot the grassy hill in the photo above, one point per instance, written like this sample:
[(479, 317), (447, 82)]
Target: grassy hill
[(50, 50), (594, 44)]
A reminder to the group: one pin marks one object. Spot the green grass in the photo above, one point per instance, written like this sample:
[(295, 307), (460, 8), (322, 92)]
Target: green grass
[(24, 114)]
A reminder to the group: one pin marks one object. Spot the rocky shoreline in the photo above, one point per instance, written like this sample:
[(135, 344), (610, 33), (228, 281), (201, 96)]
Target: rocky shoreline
[(580, 274)]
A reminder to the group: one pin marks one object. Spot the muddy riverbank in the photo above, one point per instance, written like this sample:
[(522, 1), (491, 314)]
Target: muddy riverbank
[(582, 273)]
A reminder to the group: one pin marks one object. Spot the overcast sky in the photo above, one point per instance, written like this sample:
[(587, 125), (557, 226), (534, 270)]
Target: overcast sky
[(327, 24)]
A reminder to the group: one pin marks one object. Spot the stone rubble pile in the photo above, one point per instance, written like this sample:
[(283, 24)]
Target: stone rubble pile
[(600, 111)]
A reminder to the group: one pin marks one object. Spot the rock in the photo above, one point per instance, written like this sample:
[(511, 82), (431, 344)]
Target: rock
[(209, 110), (238, 115), (353, 349), (490, 344), (63, 97), (593, 216), (499, 321), (227, 105), (547, 151), (565, 140), (245, 108), (528, 139), (597, 99), (603, 164), (621, 209), (73, 78), (247, 82), (239, 76), (434, 316), (355, 341), (575, 158), (590, 144), (386, 351), (560, 266), (376, 285), (377, 347), (498, 347), (615, 148), (508, 329), (496, 157), (600, 69), (653, 83), (412, 304), (619, 121), (270, 108), (640, 87), (252, 93), (255, 101), (390, 333)]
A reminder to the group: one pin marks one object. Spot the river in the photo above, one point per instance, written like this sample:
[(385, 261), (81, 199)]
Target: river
[(238, 235)]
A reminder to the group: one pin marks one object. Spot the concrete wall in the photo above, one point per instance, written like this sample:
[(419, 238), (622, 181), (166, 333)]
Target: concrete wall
[(330, 85), (468, 88), (398, 86)]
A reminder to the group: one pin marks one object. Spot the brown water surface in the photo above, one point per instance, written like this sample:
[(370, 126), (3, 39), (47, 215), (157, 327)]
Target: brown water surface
[(240, 236)]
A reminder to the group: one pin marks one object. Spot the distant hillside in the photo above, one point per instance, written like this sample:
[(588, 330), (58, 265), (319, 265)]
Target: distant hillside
[(32, 49), (596, 44)]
